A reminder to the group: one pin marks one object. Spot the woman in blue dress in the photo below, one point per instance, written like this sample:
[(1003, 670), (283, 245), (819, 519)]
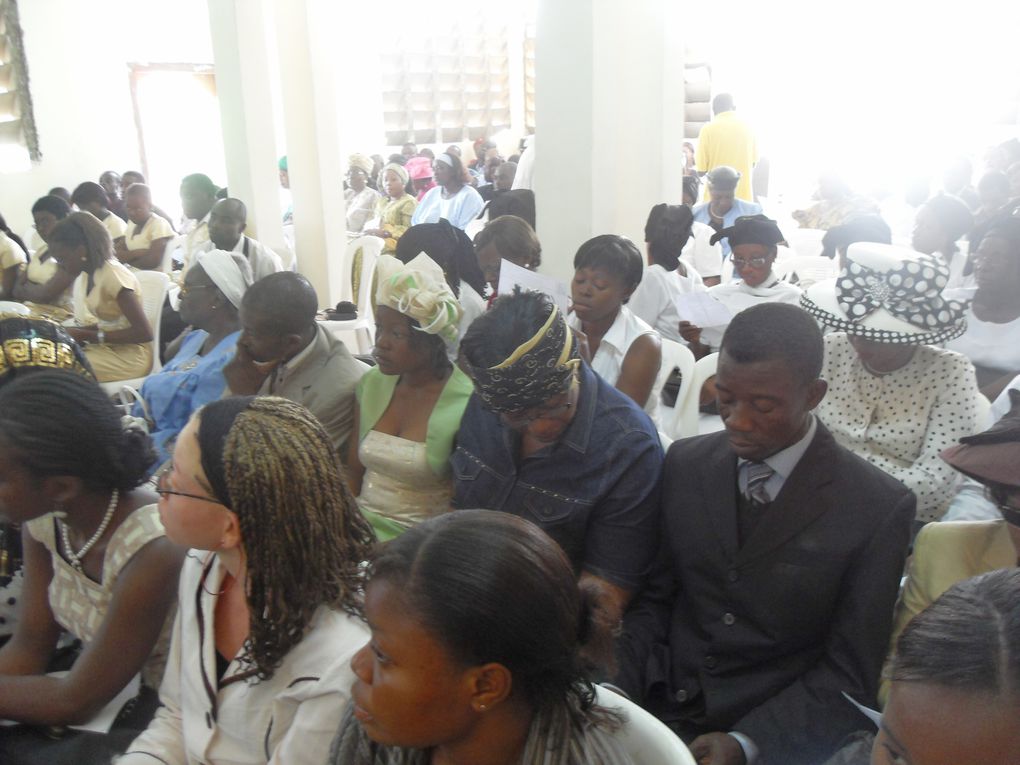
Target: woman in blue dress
[(209, 301)]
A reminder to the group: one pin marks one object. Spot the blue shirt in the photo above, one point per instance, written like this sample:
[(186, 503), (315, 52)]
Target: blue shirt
[(595, 491), (186, 383), (740, 208)]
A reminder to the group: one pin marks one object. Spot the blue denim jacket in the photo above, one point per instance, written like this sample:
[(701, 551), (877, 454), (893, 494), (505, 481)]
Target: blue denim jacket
[(595, 491)]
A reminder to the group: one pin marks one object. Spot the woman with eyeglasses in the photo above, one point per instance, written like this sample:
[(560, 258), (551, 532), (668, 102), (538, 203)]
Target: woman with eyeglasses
[(945, 553), (96, 561), (209, 301), (361, 198), (269, 596), (107, 305), (753, 241)]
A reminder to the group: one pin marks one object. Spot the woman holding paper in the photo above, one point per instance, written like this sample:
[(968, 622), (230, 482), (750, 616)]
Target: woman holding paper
[(753, 240), (625, 351)]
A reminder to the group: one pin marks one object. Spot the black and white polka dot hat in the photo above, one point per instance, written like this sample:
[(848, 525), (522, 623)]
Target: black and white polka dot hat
[(888, 294)]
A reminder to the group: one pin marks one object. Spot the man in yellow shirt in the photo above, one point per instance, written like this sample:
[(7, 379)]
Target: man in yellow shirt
[(728, 140)]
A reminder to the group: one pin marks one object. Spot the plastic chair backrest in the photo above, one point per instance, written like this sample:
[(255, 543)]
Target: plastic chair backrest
[(674, 355), (645, 738), (686, 419), (371, 248), (154, 286), (805, 241)]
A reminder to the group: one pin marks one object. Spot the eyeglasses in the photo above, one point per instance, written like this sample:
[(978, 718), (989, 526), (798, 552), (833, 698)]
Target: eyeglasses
[(739, 263), (186, 288), (163, 483), (1001, 499)]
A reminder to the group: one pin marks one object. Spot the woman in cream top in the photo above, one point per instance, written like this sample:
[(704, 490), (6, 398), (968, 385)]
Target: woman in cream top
[(107, 305)]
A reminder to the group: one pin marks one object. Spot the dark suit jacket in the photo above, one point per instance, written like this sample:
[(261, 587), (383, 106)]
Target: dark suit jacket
[(763, 638)]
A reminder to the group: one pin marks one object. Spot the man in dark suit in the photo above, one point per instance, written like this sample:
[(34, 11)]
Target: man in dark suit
[(782, 557)]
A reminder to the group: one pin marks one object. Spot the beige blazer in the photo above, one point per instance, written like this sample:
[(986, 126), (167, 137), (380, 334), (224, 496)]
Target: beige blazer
[(944, 554), (322, 378)]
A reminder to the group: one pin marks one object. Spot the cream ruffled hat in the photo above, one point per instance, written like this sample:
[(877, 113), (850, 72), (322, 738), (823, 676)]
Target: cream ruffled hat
[(418, 289)]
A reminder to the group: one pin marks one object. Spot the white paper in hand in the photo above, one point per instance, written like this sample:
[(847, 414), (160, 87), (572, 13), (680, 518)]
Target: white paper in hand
[(512, 275), (702, 310)]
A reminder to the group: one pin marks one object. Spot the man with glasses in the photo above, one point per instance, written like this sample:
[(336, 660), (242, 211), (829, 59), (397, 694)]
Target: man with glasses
[(545, 438)]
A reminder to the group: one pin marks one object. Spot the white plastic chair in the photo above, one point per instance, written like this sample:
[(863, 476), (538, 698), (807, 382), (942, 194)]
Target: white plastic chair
[(983, 417), (154, 286), (685, 417), (364, 326), (645, 738), (805, 241), (679, 356)]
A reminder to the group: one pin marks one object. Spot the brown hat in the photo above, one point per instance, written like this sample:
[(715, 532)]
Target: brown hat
[(994, 455)]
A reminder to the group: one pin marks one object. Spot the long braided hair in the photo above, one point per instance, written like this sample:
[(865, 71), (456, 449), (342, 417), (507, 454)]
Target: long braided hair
[(270, 461)]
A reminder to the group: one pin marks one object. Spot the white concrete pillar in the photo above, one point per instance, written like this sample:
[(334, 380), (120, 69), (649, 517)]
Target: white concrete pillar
[(305, 32), (609, 120), (239, 37)]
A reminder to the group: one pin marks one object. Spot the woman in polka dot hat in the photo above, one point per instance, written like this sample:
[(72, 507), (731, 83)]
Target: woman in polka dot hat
[(895, 398)]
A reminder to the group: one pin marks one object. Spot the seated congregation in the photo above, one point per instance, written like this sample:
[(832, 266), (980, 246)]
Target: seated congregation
[(487, 541)]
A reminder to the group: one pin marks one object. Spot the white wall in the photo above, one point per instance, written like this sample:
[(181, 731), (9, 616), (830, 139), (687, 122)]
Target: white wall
[(78, 55)]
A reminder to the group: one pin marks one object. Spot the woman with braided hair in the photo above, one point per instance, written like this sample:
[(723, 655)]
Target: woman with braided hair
[(107, 306), (259, 667)]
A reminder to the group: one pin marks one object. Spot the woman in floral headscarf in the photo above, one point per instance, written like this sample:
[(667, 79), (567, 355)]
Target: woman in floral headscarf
[(410, 404)]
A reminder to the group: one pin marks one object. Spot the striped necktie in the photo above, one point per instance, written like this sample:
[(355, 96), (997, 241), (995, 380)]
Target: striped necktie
[(758, 474)]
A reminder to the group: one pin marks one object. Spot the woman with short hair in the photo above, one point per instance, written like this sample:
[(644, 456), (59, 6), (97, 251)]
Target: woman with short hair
[(625, 351), (107, 301), (478, 628), (42, 283)]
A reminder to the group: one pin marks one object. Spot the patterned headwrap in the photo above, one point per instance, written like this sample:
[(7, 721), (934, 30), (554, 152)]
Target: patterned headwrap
[(537, 370), (361, 162), (419, 290), (38, 344)]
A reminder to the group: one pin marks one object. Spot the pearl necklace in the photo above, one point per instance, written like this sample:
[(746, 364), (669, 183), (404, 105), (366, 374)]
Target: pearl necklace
[(74, 558)]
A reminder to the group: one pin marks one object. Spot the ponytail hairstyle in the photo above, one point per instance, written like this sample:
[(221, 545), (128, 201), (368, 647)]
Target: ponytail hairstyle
[(82, 229), (61, 424), (667, 230), (272, 464), (967, 640), (492, 587), (12, 236)]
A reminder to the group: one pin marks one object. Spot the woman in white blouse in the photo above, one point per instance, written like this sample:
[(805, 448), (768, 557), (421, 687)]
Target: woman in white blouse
[(754, 244), (360, 198), (625, 351), (894, 398), (267, 623), (992, 339), (667, 232)]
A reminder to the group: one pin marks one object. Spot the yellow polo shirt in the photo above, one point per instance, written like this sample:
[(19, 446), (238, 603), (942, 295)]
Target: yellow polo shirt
[(728, 140)]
